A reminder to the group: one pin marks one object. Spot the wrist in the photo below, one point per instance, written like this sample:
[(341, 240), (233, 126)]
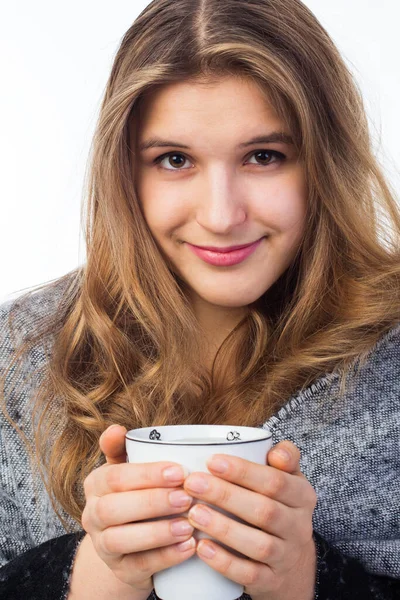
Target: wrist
[(299, 584), (91, 577), (302, 584)]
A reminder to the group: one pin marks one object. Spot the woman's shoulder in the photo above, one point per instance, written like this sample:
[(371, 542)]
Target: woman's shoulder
[(387, 348), (27, 323), (375, 381), (23, 316)]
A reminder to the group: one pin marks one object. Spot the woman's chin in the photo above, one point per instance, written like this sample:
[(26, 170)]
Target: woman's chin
[(226, 300)]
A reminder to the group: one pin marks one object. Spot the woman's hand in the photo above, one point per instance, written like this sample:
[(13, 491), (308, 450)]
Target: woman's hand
[(118, 494), (279, 501)]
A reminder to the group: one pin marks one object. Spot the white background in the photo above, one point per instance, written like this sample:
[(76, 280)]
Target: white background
[(55, 59)]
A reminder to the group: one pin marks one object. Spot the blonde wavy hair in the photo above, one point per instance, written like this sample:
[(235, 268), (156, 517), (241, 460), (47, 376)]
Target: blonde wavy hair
[(125, 340)]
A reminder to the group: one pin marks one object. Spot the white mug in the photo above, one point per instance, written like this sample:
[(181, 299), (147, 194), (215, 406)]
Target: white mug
[(191, 446)]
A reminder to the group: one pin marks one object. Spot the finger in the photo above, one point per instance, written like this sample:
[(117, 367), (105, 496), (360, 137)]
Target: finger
[(139, 537), (139, 505), (112, 444), (258, 544), (270, 515), (286, 488), (134, 567), (125, 477), (285, 456), (243, 571)]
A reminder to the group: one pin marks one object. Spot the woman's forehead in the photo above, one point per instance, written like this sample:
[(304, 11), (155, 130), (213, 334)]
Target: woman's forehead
[(189, 105)]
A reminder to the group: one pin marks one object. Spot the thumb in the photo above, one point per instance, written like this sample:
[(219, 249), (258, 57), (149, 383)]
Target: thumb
[(286, 457), (112, 444)]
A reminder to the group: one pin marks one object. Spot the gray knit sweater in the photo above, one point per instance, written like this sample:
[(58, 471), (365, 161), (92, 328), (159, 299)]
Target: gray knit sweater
[(349, 453)]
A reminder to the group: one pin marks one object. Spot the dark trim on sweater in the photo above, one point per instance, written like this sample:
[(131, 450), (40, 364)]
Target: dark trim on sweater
[(344, 578), (43, 573)]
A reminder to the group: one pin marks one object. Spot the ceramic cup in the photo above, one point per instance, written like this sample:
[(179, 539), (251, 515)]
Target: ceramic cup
[(190, 446)]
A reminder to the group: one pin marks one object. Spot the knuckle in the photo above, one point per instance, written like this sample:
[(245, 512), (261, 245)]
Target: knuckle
[(107, 542), (227, 565), (251, 574), (153, 537), (224, 528), (274, 485), (241, 473), (146, 473), (167, 556), (86, 518), (112, 477), (151, 500), (142, 564), (276, 583), (223, 495), (264, 549), (88, 484), (120, 571), (103, 510), (264, 513)]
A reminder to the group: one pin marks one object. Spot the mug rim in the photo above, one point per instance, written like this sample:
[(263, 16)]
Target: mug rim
[(131, 436)]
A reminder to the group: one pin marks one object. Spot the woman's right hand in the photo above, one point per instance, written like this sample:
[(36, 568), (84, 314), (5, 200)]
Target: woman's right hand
[(119, 497)]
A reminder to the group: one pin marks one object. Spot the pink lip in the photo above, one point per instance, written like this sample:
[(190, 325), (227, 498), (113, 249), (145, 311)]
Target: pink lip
[(225, 257), (225, 249)]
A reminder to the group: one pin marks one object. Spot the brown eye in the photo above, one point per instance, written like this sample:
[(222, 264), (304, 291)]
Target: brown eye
[(265, 156), (175, 160)]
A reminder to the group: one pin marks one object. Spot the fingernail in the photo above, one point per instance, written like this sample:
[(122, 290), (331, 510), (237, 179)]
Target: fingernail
[(284, 454), (219, 465), (179, 499), (206, 550), (175, 473), (181, 528), (197, 483), (108, 429), (183, 546), (200, 515)]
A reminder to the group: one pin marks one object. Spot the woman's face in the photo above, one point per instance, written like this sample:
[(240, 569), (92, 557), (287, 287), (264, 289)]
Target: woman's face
[(221, 189)]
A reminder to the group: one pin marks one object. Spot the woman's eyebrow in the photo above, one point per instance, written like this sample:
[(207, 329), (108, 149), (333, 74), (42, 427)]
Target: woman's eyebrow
[(275, 136)]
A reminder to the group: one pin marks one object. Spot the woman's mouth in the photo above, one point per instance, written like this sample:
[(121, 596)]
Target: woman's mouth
[(225, 257)]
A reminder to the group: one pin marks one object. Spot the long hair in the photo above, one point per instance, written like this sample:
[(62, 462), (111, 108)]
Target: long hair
[(125, 341)]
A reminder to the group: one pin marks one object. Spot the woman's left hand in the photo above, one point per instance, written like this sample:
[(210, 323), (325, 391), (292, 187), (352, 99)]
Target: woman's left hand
[(279, 501)]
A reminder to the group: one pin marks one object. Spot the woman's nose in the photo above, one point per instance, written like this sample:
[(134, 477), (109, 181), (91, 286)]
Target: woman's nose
[(221, 206)]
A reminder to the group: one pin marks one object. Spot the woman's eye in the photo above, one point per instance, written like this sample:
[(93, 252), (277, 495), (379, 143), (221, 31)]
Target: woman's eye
[(176, 159), (266, 155)]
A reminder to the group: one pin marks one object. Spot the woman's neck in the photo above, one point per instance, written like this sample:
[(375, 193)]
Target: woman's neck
[(216, 323)]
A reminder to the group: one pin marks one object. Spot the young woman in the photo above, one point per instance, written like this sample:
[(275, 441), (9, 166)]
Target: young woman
[(242, 267)]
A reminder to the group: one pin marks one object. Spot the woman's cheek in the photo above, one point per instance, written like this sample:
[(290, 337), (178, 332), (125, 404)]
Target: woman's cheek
[(166, 216), (283, 208)]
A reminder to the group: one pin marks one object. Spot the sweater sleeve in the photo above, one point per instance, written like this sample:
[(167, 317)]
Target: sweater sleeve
[(340, 577), (41, 573)]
